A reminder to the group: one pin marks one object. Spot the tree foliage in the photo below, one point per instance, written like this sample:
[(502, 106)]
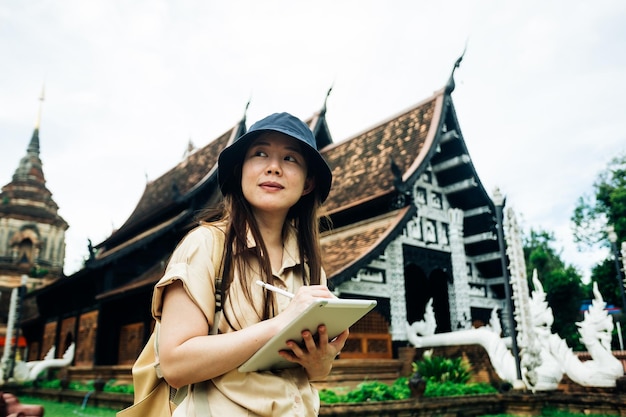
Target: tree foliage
[(591, 218), (605, 275), (592, 215)]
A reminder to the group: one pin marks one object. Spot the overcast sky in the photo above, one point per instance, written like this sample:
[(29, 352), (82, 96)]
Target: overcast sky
[(539, 94)]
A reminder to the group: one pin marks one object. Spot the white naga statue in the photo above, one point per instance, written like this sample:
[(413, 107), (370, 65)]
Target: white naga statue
[(544, 356), (422, 334), (595, 333), (549, 371), (556, 358), (29, 371)]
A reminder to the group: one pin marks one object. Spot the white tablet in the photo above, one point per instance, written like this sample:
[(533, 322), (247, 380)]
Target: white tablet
[(337, 314)]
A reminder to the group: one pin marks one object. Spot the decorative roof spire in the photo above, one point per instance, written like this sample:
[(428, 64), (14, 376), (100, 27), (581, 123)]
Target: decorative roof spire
[(323, 111), (241, 129), (33, 146), (190, 148), (245, 111), (451, 85), (30, 168), (41, 99)]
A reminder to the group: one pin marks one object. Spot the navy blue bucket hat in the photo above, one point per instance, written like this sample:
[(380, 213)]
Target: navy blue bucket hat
[(232, 156)]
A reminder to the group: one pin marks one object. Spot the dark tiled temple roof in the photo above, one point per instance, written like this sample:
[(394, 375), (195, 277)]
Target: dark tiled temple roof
[(361, 172), (147, 279), (362, 165), (145, 236), (345, 250)]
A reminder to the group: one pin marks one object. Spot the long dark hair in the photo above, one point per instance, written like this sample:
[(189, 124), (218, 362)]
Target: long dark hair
[(236, 213)]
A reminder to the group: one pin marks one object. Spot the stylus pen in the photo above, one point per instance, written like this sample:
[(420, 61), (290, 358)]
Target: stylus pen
[(275, 289)]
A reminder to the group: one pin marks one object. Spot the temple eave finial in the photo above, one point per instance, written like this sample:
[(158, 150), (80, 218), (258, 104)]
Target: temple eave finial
[(33, 146), (41, 100), (451, 84), (323, 112)]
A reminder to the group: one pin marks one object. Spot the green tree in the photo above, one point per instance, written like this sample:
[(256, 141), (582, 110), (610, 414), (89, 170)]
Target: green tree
[(562, 284), (591, 218), (594, 214), (608, 206), (604, 274)]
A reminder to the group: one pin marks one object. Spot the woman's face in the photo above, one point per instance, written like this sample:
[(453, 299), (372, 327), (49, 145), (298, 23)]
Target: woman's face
[(274, 173)]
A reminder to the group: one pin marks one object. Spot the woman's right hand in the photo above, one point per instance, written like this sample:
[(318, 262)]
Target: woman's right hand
[(303, 298), (317, 352)]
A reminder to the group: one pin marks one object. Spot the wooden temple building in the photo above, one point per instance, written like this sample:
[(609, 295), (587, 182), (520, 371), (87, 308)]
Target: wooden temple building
[(411, 221)]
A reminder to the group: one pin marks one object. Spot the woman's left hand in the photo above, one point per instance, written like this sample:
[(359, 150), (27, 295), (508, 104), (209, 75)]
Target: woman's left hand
[(315, 354)]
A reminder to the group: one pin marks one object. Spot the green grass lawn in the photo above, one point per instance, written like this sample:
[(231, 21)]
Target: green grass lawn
[(55, 409), (553, 413)]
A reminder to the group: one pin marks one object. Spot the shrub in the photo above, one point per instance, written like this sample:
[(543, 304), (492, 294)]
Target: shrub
[(440, 369), (110, 386), (369, 391), (52, 384), (444, 377), (450, 389), (401, 388), (80, 386), (330, 397)]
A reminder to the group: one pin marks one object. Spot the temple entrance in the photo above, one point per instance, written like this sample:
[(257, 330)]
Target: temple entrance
[(438, 283), (415, 293), (426, 276)]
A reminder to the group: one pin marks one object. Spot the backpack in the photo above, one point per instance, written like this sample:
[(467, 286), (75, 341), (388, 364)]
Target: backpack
[(154, 397)]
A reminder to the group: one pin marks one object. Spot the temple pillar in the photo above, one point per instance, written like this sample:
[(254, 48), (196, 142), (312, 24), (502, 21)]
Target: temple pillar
[(459, 290), (397, 288)]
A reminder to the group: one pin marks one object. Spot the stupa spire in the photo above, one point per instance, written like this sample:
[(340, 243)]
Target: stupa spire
[(33, 146), (30, 165)]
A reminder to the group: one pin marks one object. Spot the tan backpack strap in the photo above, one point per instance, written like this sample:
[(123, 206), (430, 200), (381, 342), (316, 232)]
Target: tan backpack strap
[(201, 399), (218, 255), (218, 306), (218, 294), (157, 362)]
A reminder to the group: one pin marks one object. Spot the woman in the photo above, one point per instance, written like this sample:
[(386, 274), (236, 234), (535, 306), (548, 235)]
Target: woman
[(273, 180)]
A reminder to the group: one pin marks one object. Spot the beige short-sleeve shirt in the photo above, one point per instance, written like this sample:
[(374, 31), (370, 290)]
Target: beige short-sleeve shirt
[(270, 393)]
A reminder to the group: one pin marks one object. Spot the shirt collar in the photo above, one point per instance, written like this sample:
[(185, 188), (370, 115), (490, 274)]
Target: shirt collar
[(290, 247)]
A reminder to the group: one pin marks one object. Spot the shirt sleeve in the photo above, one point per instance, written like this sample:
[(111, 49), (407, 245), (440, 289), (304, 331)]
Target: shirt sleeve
[(192, 263)]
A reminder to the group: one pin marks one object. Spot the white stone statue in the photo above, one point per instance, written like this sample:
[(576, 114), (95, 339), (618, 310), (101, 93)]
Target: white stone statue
[(428, 325), (28, 371), (595, 330), (555, 357), (421, 334), (8, 347), (549, 371)]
